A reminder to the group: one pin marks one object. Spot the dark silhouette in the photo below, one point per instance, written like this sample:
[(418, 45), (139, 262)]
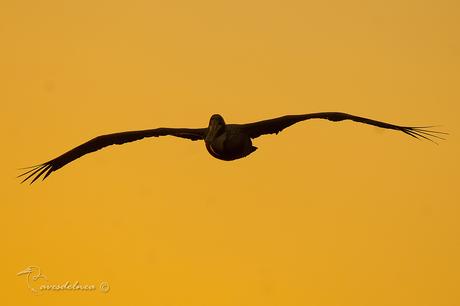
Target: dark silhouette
[(223, 141)]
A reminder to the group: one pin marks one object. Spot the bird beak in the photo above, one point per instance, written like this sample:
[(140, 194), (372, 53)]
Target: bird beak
[(213, 129), (26, 271)]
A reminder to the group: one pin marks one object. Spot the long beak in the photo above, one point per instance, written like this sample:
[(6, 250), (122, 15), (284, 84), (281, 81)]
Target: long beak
[(26, 271), (212, 130)]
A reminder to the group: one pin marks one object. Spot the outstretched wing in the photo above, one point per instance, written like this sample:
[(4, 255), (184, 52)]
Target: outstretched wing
[(104, 141), (276, 125)]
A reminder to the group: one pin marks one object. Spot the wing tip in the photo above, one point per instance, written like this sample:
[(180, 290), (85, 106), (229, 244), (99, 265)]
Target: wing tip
[(36, 172), (424, 132)]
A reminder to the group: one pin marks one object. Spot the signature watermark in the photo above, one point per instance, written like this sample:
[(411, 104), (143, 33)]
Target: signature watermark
[(37, 282)]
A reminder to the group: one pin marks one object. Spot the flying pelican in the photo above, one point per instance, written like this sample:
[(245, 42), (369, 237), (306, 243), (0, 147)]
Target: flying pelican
[(223, 141)]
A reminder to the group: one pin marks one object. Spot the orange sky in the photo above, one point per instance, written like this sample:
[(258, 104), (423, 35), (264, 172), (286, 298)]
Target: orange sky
[(322, 214)]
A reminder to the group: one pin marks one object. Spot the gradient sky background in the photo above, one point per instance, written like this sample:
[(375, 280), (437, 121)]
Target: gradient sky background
[(322, 214)]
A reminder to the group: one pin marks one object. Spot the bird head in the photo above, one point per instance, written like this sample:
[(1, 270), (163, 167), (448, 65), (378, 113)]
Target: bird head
[(27, 270), (216, 126), (32, 269)]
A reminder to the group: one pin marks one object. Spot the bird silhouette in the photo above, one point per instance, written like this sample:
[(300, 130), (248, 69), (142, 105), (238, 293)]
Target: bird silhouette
[(223, 141), (33, 274)]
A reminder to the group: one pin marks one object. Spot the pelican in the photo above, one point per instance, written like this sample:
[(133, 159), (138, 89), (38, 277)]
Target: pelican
[(223, 141), (29, 271)]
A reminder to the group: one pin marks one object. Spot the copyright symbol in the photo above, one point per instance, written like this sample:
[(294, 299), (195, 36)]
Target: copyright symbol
[(104, 287)]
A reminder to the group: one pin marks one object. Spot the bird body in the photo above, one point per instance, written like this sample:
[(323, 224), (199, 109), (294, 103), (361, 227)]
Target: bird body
[(223, 141), (227, 141), (230, 146)]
